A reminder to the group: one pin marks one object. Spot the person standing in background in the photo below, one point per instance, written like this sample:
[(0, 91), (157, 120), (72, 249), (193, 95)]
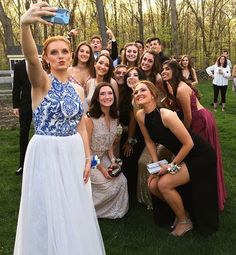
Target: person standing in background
[(220, 72), (234, 78), (188, 71), (96, 44), (226, 54), (155, 44), (22, 108)]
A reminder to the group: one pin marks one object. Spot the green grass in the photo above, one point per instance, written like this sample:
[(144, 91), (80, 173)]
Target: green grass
[(136, 233)]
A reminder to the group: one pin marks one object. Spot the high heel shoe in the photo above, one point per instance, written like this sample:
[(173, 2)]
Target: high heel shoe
[(186, 226), (174, 223)]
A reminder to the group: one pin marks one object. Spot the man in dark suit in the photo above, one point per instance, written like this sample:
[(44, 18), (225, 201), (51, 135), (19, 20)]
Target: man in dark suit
[(22, 108), (155, 44)]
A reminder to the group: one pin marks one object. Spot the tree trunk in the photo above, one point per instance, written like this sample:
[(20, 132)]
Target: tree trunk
[(102, 21), (140, 24), (7, 27), (174, 28)]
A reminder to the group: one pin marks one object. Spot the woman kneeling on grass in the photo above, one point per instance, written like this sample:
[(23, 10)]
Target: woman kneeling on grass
[(193, 168)]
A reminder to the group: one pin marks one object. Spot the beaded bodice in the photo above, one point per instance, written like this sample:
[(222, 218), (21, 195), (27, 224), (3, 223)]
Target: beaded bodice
[(103, 136), (59, 112)]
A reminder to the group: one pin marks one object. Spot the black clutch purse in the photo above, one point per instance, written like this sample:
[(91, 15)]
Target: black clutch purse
[(115, 170)]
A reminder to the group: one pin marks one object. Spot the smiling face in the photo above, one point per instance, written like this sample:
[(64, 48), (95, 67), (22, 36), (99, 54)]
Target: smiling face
[(140, 48), (155, 45), (185, 62), (131, 53), (147, 62), (166, 73), (106, 96), (142, 94), (132, 78), (58, 55), (222, 60), (102, 66), (119, 75), (84, 53)]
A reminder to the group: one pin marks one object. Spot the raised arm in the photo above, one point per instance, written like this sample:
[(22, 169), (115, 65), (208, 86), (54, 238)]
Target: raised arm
[(33, 15)]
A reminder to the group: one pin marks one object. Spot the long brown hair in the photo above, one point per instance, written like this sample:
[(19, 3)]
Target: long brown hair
[(124, 59), (156, 68), (91, 60), (95, 110), (190, 67), (177, 77), (107, 77)]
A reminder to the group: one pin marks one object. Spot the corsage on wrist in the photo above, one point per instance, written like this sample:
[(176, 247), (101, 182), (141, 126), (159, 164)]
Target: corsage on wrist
[(173, 168), (132, 141)]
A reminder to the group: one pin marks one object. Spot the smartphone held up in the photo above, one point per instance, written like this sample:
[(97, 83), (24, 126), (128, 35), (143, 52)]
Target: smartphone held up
[(62, 17)]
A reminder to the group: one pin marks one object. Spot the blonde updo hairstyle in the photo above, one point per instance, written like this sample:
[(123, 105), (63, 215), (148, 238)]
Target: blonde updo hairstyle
[(46, 66)]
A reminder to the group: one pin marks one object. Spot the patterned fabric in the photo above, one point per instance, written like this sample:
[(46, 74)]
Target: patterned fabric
[(103, 137), (110, 196), (60, 111)]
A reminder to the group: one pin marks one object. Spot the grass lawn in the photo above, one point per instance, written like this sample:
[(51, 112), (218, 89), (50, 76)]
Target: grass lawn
[(136, 233)]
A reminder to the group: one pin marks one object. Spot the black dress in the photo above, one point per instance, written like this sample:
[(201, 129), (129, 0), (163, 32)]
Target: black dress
[(200, 195), (130, 164)]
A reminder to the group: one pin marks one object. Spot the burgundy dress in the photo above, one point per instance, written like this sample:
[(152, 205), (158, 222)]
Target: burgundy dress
[(203, 124)]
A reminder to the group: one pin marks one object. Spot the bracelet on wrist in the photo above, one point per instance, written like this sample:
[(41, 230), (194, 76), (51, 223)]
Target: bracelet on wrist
[(113, 160), (132, 141), (173, 168), (88, 158)]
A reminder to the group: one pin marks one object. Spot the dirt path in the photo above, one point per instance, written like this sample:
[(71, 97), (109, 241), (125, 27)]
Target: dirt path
[(7, 118)]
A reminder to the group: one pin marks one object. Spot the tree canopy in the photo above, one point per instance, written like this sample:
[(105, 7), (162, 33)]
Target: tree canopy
[(198, 28)]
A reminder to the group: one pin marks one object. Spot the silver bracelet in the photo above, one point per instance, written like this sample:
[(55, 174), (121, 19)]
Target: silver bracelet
[(173, 168), (113, 160)]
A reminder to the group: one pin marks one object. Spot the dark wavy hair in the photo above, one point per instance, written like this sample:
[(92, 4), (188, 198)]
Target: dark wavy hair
[(107, 77), (125, 92), (91, 59), (225, 62), (156, 68), (177, 77), (95, 110)]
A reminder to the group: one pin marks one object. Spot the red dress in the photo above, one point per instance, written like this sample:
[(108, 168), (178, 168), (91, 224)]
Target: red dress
[(203, 124)]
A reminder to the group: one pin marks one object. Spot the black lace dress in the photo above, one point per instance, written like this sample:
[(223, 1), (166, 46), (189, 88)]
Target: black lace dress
[(200, 195)]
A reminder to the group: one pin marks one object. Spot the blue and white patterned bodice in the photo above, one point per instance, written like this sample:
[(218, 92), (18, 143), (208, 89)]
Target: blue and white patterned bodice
[(59, 112)]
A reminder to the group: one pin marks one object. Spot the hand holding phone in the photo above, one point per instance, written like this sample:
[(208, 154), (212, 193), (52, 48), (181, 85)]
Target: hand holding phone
[(62, 17)]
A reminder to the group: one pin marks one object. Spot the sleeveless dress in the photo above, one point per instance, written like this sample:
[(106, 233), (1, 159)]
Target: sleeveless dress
[(200, 195), (92, 88), (110, 196), (57, 215), (203, 124), (78, 83), (130, 167)]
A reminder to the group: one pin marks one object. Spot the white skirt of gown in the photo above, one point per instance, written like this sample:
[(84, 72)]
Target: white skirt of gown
[(57, 215)]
